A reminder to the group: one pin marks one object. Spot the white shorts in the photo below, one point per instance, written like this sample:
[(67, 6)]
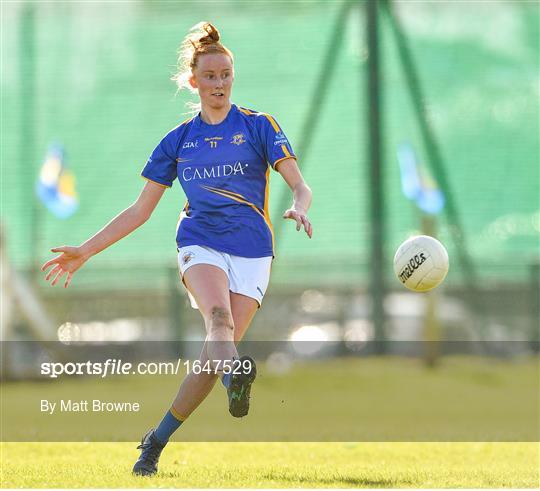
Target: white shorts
[(248, 276)]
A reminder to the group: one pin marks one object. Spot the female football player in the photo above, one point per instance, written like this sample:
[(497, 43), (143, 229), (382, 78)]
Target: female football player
[(222, 157)]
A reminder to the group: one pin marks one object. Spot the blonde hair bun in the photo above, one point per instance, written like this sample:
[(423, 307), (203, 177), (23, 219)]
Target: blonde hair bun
[(203, 38), (212, 34)]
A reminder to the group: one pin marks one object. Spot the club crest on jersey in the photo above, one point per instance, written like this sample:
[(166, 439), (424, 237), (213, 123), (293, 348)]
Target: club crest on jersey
[(238, 139)]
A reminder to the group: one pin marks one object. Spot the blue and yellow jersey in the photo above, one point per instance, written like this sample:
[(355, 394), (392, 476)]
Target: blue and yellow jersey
[(224, 170)]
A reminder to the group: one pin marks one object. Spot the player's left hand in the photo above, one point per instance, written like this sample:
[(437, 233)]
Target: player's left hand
[(301, 219)]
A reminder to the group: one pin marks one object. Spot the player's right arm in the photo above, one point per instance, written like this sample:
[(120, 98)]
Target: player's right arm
[(72, 258)]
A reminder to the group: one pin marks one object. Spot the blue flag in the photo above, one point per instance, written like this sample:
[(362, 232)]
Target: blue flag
[(56, 184), (417, 184)]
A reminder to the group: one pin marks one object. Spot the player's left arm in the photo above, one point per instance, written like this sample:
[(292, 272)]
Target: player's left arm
[(289, 170)]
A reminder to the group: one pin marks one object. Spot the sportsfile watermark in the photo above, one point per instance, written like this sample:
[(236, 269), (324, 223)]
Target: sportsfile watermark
[(303, 391), (111, 367)]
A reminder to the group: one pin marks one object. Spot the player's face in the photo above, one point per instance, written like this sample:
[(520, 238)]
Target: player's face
[(213, 77)]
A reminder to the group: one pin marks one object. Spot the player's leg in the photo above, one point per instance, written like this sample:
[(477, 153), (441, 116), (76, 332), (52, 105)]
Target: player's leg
[(209, 285), (238, 373), (248, 280), (195, 387), (243, 310), (239, 382)]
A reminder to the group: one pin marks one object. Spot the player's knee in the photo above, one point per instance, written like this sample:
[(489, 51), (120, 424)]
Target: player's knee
[(220, 320)]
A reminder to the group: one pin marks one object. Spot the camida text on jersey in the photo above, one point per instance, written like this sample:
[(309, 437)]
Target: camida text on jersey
[(224, 170)]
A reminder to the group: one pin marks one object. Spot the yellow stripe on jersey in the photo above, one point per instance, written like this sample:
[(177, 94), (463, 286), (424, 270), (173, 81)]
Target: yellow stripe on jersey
[(240, 200), (276, 127), (266, 210), (285, 151), (158, 183), (229, 194), (224, 191), (245, 111), (186, 121), (273, 123)]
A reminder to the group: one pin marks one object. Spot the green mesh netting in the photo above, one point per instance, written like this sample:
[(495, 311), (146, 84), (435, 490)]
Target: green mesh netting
[(98, 82)]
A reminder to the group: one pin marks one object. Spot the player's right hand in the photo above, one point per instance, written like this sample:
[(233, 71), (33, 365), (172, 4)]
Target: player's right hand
[(69, 261)]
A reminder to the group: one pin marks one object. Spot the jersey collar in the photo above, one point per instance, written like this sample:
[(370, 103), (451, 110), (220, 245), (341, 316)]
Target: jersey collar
[(200, 123)]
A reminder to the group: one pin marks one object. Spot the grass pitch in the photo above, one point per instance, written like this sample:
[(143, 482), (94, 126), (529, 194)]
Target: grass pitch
[(275, 465), (378, 398)]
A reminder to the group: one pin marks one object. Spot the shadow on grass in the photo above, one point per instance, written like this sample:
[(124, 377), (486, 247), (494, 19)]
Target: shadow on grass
[(346, 481)]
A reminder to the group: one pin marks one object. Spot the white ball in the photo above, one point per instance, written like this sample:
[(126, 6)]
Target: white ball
[(421, 263)]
